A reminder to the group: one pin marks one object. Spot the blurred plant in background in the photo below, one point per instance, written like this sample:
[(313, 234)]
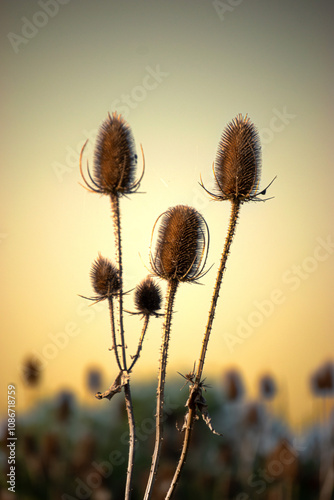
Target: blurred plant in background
[(68, 450)]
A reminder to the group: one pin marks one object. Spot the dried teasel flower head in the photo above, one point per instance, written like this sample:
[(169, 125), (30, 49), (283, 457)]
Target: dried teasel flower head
[(182, 244), (105, 278), (148, 297), (238, 163), (115, 159)]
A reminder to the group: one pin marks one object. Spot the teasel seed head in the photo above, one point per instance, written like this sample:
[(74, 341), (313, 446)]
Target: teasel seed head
[(238, 161), (148, 297), (182, 244), (237, 168), (115, 159), (105, 278)]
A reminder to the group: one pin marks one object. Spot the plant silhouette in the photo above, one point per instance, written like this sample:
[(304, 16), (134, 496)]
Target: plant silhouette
[(181, 238)]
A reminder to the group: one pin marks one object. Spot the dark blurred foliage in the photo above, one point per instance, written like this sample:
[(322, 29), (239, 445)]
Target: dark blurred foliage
[(66, 450)]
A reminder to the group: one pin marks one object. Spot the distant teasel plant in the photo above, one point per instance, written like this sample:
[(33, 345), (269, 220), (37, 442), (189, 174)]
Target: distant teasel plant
[(268, 387), (178, 254)]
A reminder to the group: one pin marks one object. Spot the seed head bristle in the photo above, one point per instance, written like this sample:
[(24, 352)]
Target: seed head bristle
[(181, 244), (115, 157), (104, 277), (148, 297), (238, 161)]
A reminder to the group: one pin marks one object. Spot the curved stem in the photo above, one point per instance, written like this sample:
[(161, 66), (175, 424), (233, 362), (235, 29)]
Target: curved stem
[(127, 392), (192, 409), (140, 344), (170, 296)]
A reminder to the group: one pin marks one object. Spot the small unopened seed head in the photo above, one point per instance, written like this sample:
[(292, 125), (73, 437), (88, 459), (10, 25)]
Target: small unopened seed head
[(238, 162), (115, 157), (148, 297), (104, 277), (181, 246)]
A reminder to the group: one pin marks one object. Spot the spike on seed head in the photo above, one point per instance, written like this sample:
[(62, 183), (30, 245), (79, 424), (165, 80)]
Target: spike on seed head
[(104, 277), (148, 297), (181, 244), (238, 162), (115, 157)]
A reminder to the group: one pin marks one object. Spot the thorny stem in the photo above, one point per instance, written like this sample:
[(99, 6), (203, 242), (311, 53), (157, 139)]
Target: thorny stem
[(113, 333), (192, 409), (132, 440), (140, 344), (127, 392), (170, 296), (231, 230), (115, 209)]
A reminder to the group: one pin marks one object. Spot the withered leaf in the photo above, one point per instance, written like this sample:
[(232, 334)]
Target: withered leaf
[(198, 402), (119, 382)]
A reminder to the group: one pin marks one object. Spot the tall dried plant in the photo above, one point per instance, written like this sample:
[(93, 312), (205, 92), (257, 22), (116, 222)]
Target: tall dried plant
[(237, 174), (115, 162), (179, 256), (181, 240)]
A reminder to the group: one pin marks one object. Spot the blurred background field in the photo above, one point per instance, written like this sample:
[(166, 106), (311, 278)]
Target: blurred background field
[(72, 448)]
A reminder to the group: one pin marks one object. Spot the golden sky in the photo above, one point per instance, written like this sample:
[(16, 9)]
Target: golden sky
[(178, 72)]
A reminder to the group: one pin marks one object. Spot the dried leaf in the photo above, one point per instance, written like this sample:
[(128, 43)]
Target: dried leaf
[(119, 382), (207, 419), (198, 402)]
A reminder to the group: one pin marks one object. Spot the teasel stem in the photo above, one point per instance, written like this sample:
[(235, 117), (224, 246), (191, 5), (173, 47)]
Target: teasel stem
[(115, 208), (132, 440), (170, 296), (141, 340), (127, 392), (231, 230), (113, 332), (192, 410)]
